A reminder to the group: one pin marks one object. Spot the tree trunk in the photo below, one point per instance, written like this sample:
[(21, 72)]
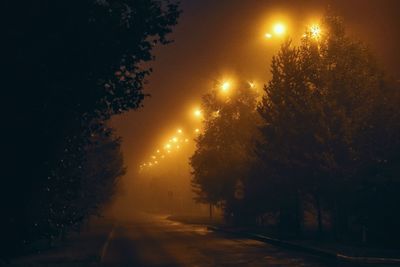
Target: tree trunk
[(319, 214), (299, 215), (335, 219)]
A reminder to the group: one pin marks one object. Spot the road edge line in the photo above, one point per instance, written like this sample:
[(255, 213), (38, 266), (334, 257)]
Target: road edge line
[(106, 244)]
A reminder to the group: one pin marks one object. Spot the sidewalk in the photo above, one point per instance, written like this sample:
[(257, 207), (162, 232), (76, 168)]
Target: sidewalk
[(319, 249), (323, 249)]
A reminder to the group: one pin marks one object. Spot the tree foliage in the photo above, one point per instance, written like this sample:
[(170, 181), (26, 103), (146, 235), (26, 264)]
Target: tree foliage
[(71, 65), (328, 141), (224, 148), (326, 103)]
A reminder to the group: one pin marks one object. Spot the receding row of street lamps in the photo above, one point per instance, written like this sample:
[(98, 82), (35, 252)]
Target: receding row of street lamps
[(174, 143), (279, 29)]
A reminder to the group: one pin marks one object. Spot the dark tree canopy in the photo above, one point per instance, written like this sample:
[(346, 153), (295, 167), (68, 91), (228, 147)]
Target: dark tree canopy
[(327, 142), (224, 149), (330, 128), (70, 66)]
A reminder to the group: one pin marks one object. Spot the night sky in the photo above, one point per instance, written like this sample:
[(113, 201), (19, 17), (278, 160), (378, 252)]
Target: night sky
[(225, 37)]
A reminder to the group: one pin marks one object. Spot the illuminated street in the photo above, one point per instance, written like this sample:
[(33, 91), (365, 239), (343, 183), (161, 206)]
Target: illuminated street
[(200, 133), (149, 240), (155, 241)]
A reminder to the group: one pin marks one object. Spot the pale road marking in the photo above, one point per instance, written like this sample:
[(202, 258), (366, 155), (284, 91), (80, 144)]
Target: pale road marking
[(106, 244)]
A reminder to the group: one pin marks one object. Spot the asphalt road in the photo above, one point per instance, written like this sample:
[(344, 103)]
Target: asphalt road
[(149, 240), (156, 241)]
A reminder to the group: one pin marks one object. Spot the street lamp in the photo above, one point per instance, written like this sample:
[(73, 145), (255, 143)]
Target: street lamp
[(197, 113), (268, 35), (315, 31), (225, 86), (279, 29), (252, 85)]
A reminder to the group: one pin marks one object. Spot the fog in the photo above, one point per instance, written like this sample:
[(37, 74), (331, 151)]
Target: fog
[(213, 39)]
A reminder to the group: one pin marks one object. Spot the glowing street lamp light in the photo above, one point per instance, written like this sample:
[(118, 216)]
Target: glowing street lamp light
[(315, 31), (252, 85), (268, 35), (197, 130), (179, 131), (225, 86), (174, 139), (197, 113), (279, 29)]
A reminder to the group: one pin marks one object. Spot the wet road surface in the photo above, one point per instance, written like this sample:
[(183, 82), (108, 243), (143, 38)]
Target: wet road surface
[(156, 241), (152, 240)]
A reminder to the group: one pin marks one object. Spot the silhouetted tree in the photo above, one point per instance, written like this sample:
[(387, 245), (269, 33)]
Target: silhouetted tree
[(288, 134), (376, 192), (224, 148), (71, 65), (349, 83), (324, 113), (104, 166), (101, 167)]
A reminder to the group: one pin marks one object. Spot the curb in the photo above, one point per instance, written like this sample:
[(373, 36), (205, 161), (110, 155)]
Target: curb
[(312, 250)]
